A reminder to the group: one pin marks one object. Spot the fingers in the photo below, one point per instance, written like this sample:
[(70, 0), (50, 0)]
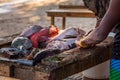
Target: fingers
[(86, 42), (81, 44)]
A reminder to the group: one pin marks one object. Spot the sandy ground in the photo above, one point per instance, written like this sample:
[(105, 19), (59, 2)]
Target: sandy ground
[(16, 16), (4, 1)]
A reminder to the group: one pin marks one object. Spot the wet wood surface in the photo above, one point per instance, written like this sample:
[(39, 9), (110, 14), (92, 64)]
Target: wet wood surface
[(65, 64), (77, 60)]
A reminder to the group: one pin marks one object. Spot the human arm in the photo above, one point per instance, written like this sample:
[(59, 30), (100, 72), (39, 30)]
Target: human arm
[(110, 19)]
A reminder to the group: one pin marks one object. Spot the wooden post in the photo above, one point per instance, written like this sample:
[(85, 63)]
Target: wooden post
[(52, 20), (6, 70), (63, 22)]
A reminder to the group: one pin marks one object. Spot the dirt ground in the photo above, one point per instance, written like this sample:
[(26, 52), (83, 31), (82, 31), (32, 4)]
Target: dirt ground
[(16, 16)]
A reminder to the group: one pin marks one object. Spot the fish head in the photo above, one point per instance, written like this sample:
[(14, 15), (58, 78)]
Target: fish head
[(53, 30)]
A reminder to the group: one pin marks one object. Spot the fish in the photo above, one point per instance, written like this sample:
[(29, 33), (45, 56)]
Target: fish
[(32, 53), (43, 35), (20, 61), (19, 42), (11, 53), (30, 30), (66, 39), (69, 32), (44, 54), (63, 44)]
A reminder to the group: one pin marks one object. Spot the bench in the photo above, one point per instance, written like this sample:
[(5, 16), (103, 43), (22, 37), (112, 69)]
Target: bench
[(72, 7), (85, 13)]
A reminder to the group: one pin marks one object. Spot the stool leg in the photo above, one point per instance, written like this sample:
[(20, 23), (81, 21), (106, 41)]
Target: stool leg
[(52, 20), (63, 22)]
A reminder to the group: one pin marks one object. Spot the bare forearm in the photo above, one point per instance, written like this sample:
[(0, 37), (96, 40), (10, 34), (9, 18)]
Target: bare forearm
[(111, 17)]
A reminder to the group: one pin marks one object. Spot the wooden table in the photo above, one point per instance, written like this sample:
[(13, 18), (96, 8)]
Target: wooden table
[(85, 13), (60, 66), (72, 7)]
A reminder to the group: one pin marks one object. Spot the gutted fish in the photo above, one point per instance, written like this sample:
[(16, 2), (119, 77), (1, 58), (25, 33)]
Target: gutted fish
[(11, 53), (73, 32), (43, 54), (43, 35), (66, 39), (63, 44), (32, 53)]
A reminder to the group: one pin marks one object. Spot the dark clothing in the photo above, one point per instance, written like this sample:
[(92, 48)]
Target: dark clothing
[(99, 7), (116, 46)]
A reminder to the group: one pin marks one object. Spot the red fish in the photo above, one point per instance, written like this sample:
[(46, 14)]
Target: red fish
[(66, 39), (43, 35)]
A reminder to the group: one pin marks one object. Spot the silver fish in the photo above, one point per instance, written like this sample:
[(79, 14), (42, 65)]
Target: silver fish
[(69, 32), (62, 45)]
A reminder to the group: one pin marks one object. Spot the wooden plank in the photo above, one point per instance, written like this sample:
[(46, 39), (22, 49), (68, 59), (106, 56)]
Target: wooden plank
[(24, 73), (72, 7), (65, 64), (52, 20), (77, 60), (41, 76), (7, 78), (6, 70), (71, 13), (63, 22)]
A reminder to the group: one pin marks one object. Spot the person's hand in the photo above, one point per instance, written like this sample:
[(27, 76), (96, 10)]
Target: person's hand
[(93, 38)]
